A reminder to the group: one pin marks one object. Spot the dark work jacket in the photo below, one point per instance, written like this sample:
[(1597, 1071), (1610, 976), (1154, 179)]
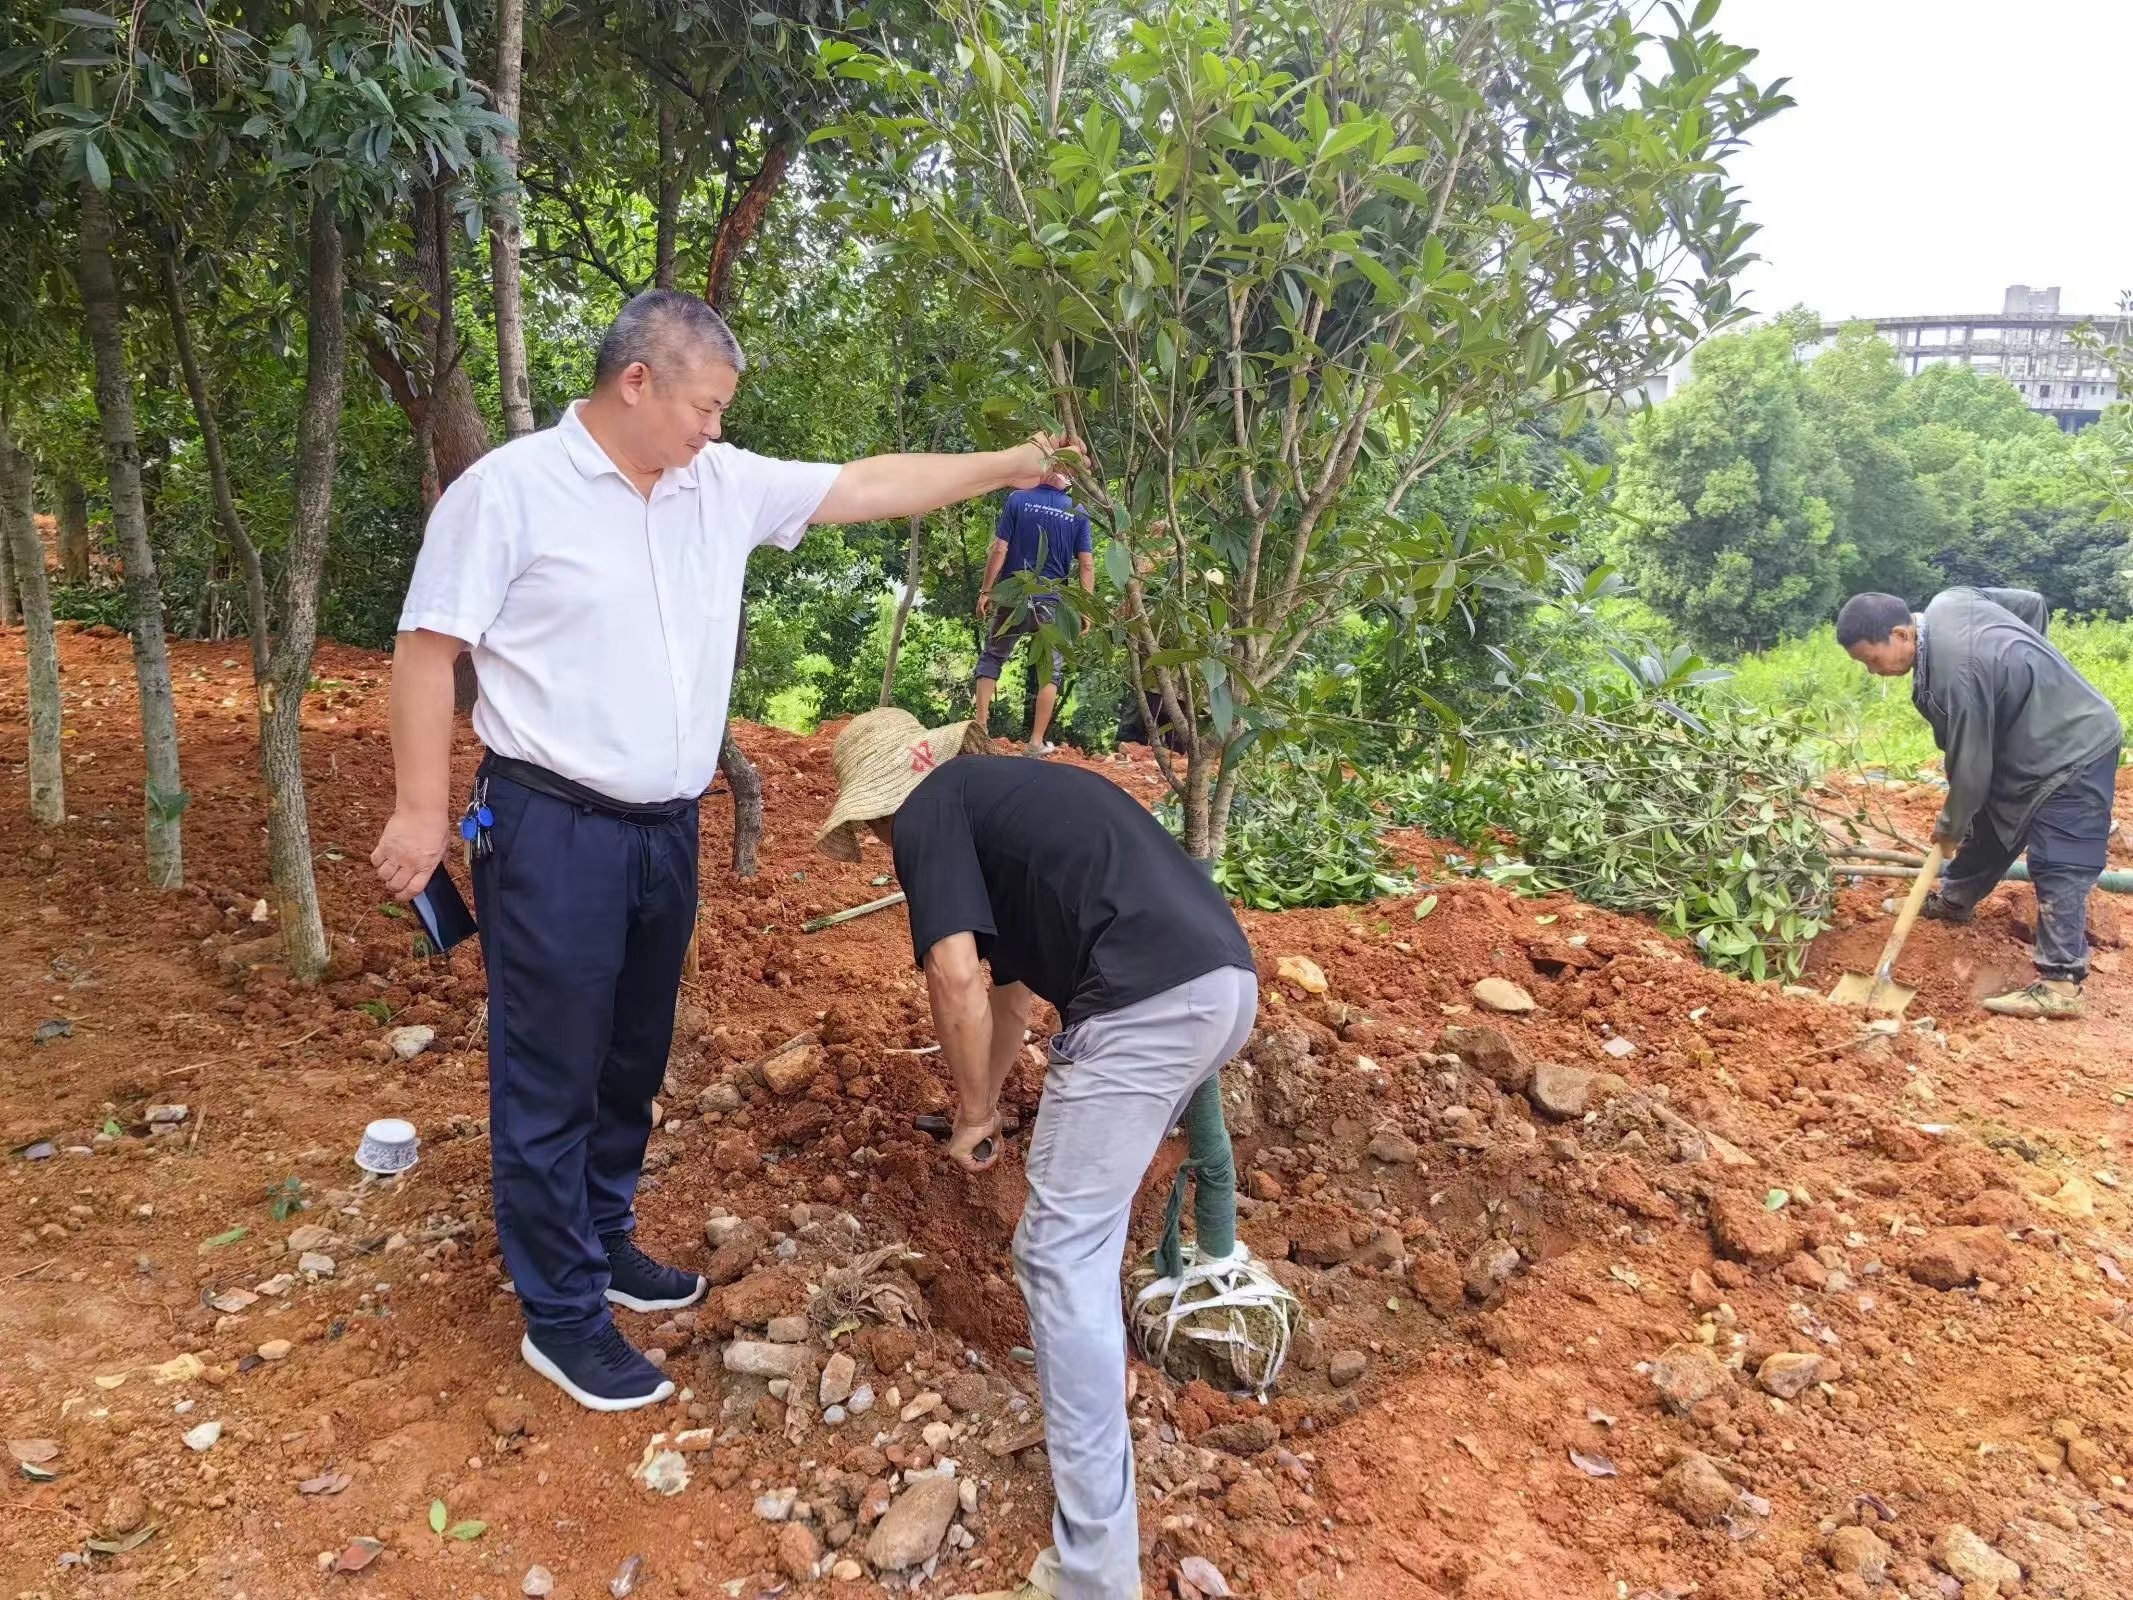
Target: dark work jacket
[(2013, 719)]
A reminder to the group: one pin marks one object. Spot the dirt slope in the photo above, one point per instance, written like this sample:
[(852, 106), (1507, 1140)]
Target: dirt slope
[(1949, 1246)]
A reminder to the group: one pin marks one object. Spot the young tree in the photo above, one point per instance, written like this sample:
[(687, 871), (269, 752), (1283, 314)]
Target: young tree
[(104, 311), (511, 380), (1724, 500), (22, 549), (1255, 248)]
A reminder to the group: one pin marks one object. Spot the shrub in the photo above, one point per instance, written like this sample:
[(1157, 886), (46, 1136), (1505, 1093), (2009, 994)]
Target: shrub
[(1693, 814)]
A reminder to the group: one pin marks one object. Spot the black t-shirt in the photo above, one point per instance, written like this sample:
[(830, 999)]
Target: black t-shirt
[(1068, 883)]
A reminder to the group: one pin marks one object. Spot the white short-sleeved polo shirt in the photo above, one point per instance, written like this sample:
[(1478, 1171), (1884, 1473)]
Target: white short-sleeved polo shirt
[(603, 622)]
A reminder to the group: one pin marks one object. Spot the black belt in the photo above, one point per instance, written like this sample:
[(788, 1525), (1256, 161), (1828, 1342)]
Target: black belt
[(557, 787)]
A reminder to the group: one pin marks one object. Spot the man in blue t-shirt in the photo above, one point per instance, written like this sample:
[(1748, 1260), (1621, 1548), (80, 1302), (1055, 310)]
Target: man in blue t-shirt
[(1040, 530)]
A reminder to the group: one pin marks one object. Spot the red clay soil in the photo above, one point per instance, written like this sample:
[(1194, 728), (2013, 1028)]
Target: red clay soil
[(1936, 1215)]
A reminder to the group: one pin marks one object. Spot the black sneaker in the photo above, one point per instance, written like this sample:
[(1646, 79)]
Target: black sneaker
[(603, 1373), (638, 1282), (1937, 908)]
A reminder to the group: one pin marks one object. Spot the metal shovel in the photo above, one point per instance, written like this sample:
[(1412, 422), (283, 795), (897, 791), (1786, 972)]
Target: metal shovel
[(1878, 992)]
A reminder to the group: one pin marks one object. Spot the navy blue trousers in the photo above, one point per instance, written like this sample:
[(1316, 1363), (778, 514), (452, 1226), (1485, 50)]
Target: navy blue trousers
[(2066, 846), (585, 920)]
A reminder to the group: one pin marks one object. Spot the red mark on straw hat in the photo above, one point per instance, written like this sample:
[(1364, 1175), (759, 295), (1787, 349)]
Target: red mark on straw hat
[(921, 758)]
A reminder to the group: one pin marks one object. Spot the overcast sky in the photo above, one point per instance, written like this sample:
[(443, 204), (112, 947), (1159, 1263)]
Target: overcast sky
[(1940, 150)]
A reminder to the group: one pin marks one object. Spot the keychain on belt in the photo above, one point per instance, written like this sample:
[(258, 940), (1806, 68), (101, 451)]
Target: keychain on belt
[(474, 825)]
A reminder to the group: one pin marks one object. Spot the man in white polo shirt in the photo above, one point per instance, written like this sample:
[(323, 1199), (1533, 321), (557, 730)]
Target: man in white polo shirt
[(595, 571)]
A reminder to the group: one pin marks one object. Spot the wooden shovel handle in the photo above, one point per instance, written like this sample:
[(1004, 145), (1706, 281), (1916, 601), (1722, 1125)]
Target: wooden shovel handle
[(1928, 875)]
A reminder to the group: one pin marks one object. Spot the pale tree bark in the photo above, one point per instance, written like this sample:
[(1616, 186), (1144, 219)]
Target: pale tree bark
[(18, 538), (218, 468), (511, 379), (73, 531), (912, 559), (8, 613), (129, 520), (281, 701), (1200, 767)]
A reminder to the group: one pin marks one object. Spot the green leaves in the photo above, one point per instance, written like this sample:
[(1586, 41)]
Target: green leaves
[(1629, 801), (440, 1515)]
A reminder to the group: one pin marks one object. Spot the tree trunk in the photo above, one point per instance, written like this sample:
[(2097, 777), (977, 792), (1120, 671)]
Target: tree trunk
[(281, 705), (218, 468), (18, 536), (742, 221), (511, 380), (673, 182), (7, 574), (166, 795), (450, 431), (1200, 768), (747, 786), (1218, 806), (73, 531), (903, 609)]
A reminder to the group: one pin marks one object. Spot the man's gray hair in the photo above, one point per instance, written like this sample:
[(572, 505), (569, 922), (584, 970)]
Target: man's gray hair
[(666, 330)]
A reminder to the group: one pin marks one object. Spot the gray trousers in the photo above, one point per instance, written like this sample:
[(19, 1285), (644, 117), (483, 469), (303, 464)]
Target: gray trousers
[(1118, 1083)]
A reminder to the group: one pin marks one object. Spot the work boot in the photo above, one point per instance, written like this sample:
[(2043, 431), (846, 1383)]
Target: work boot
[(1938, 908), (603, 1373), (2054, 999), (636, 1281)]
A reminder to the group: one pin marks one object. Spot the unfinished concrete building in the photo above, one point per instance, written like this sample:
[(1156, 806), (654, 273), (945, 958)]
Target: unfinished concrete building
[(2030, 343)]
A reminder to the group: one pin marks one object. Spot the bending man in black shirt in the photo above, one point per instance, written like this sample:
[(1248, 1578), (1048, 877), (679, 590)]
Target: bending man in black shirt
[(1068, 889), (2031, 751)]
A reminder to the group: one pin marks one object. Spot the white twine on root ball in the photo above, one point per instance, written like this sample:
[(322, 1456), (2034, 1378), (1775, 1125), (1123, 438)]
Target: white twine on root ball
[(1214, 1304)]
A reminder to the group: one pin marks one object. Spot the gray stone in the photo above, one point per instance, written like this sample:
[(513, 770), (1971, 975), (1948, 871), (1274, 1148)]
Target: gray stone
[(311, 1237), (1962, 1553), (1789, 1375), (1564, 1093), (1394, 1148), (409, 1042), (1348, 1367), (862, 1400), (1489, 1052), (1500, 994), (1698, 1490), (314, 1265), (1490, 1268), (838, 1373), (719, 1097), (204, 1436), (165, 1116), (1687, 1374), (788, 1330), (755, 1359), (776, 1505), (538, 1581), (910, 1535)]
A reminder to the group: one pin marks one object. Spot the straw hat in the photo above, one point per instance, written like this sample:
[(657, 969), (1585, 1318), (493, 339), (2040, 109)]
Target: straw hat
[(881, 757)]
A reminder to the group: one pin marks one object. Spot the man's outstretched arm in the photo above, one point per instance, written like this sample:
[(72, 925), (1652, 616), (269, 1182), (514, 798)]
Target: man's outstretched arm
[(881, 487)]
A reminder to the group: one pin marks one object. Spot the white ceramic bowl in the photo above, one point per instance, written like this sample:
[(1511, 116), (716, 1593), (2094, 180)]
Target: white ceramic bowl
[(389, 1146)]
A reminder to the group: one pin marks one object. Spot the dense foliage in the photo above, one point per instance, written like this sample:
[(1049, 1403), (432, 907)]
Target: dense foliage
[(1658, 795), (1772, 486)]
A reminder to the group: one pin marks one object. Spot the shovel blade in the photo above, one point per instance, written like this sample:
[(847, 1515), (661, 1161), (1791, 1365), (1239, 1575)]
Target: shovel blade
[(1860, 989)]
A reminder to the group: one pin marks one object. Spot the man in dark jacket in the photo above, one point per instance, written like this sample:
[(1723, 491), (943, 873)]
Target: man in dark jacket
[(2031, 751)]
